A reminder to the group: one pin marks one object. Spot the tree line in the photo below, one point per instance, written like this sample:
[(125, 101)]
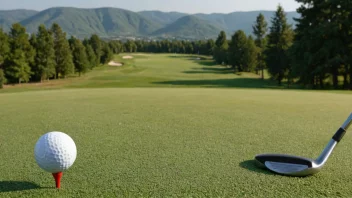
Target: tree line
[(48, 54), (317, 53)]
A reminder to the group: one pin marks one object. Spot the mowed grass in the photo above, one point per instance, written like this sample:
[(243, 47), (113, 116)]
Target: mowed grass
[(156, 70), (160, 127), (163, 142)]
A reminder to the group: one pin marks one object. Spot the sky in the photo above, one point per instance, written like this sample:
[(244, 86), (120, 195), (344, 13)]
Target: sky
[(186, 6)]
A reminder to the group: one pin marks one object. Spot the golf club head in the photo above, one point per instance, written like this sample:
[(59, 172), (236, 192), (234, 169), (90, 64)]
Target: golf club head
[(288, 164)]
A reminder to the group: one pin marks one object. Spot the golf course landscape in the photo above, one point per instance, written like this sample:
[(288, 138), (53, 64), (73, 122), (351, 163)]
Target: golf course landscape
[(170, 125)]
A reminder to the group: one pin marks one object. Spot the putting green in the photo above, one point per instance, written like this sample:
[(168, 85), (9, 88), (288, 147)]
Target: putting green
[(164, 142)]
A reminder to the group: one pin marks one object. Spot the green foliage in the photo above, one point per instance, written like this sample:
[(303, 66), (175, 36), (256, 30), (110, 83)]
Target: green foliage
[(210, 47), (2, 78), (63, 55), (250, 55), (96, 44), (237, 50), (21, 54), (220, 49), (242, 52), (260, 31), (80, 59), (91, 56), (4, 46), (107, 54), (117, 48), (44, 67), (280, 40), (130, 46), (324, 32)]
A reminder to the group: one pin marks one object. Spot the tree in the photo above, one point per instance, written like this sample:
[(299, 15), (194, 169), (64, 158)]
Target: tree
[(250, 55), (95, 42), (4, 46), (237, 50), (259, 30), (90, 56), (80, 60), (106, 54), (4, 50), (280, 39), (21, 54), (322, 46), (210, 47), (2, 78), (220, 49), (63, 55), (45, 55)]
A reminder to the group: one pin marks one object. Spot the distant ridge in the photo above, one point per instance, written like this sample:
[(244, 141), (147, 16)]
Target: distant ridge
[(114, 22)]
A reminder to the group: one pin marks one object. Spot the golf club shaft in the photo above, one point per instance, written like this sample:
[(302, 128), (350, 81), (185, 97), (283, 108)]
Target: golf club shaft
[(326, 152), (348, 123), (342, 130), (333, 142)]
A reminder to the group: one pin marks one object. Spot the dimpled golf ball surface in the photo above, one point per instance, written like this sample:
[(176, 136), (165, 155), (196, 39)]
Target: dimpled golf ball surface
[(55, 152)]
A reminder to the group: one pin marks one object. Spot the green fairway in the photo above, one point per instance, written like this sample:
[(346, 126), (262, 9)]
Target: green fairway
[(156, 70), (161, 142), (138, 136)]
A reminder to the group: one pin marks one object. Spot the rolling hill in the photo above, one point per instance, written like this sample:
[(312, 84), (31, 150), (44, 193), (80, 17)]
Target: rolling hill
[(242, 20), (114, 22), (189, 27), (9, 17), (163, 18), (105, 22)]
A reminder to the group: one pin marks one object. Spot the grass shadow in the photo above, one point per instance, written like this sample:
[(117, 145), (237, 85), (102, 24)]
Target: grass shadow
[(252, 166), (225, 83), (210, 70), (206, 62), (11, 186)]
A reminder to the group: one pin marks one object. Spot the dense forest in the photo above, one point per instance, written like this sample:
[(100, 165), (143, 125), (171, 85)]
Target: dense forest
[(316, 54)]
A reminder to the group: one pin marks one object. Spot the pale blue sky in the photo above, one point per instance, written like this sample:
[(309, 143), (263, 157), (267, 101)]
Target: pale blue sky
[(188, 6)]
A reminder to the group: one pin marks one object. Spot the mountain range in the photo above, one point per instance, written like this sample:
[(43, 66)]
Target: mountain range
[(115, 22)]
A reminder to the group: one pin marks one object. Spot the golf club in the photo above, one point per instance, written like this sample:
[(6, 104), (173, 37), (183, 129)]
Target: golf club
[(299, 166)]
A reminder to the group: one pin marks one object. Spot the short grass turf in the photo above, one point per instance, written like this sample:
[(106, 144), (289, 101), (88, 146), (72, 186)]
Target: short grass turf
[(162, 142), (155, 70)]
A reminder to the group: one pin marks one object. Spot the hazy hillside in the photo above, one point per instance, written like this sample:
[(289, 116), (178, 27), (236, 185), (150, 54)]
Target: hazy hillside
[(242, 20), (8, 17), (190, 27), (84, 22), (112, 22), (163, 18)]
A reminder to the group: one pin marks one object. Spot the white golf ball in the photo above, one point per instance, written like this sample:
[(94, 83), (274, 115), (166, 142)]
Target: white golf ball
[(55, 152)]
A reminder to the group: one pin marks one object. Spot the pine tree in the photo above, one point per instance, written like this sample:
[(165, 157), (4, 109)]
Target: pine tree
[(220, 49), (90, 56), (237, 50), (250, 55), (45, 55), (63, 55), (210, 47), (2, 79), (79, 56), (4, 47), (106, 54), (259, 30), (21, 55), (95, 42), (280, 39)]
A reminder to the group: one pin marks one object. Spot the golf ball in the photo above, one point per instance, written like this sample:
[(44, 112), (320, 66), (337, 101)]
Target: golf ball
[(55, 152)]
